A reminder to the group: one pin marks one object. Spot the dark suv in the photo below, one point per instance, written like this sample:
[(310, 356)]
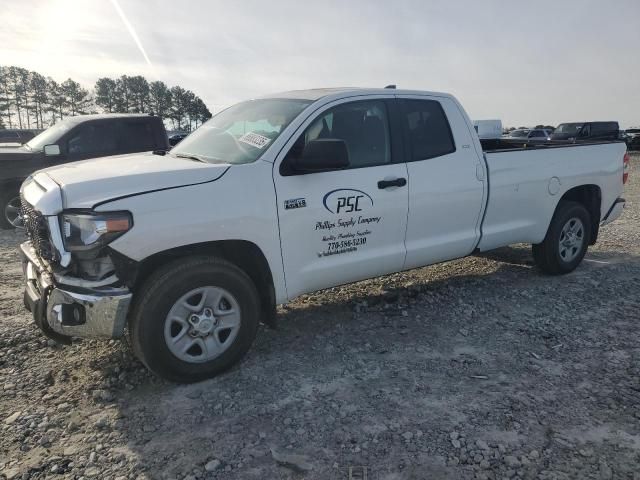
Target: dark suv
[(72, 139), (586, 131), (12, 136)]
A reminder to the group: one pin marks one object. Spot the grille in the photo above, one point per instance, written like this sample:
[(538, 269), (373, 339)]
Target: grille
[(37, 231)]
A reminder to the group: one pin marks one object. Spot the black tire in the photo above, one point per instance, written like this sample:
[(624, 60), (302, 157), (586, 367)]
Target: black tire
[(547, 255), (7, 197), (160, 292)]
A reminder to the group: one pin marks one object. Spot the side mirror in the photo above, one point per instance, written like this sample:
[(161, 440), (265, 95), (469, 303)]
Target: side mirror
[(323, 154), (51, 150)]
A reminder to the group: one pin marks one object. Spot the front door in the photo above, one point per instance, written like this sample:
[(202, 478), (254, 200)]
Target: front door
[(345, 225), (92, 139)]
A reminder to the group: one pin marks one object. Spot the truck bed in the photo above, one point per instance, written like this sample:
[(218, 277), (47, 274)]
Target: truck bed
[(500, 144), (526, 184)]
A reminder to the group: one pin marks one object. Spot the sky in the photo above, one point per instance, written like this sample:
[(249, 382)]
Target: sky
[(526, 63)]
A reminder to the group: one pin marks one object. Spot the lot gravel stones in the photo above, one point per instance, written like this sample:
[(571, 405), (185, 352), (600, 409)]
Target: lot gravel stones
[(480, 368)]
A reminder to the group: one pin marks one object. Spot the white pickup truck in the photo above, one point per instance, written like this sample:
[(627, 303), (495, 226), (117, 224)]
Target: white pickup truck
[(190, 249)]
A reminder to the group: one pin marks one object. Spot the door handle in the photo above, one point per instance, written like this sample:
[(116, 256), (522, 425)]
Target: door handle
[(398, 182)]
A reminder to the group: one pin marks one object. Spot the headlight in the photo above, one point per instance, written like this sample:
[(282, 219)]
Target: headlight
[(86, 231)]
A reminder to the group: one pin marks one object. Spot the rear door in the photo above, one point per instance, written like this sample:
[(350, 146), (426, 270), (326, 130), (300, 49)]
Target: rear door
[(447, 186), (537, 136), (604, 130), (341, 226), (136, 135)]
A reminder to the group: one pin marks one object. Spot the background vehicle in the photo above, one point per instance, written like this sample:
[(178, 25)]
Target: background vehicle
[(72, 139), (586, 131), (633, 138), (488, 129), (284, 195), (528, 136), (12, 137), (176, 138)]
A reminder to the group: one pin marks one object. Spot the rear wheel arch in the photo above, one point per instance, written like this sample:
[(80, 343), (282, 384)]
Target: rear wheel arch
[(244, 254), (566, 241), (589, 196)]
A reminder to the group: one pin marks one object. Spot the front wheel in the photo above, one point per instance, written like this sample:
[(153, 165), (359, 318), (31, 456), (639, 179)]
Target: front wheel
[(11, 216), (194, 318), (567, 239)]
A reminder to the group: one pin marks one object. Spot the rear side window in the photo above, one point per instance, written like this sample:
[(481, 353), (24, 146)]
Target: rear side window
[(429, 133), (137, 136), (603, 127)]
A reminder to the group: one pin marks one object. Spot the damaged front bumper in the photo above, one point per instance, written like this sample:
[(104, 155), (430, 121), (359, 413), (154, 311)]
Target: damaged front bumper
[(64, 311)]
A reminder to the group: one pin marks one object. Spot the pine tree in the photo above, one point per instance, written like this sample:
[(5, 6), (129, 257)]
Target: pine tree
[(76, 98), (107, 94), (57, 103), (159, 98), (39, 97), (5, 96)]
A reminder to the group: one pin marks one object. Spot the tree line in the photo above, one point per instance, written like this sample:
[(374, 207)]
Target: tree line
[(30, 100)]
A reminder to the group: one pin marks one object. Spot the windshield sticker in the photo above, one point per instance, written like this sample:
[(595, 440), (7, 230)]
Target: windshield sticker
[(255, 140)]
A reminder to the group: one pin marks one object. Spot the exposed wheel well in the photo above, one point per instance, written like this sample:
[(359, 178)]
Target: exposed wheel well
[(242, 253), (590, 196)]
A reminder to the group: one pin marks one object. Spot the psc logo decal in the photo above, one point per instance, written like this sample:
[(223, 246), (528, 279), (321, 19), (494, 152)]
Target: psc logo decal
[(346, 200)]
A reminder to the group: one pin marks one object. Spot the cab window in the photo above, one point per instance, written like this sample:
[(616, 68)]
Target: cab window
[(137, 136), (93, 138), (363, 126), (428, 129)]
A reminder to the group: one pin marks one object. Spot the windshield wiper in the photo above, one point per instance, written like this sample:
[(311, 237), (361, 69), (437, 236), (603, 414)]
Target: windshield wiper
[(191, 157)]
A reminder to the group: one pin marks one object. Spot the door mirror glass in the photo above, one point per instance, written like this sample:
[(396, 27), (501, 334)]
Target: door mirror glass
[(51, 150), (323, 154)]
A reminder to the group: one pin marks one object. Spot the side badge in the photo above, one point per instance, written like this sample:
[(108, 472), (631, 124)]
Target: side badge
[(295, 203)]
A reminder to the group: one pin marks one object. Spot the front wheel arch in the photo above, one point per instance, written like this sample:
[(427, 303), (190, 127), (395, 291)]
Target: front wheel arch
[(244, 254)]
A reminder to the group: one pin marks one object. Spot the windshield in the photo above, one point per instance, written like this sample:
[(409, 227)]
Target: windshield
[(519, 133), (568, 128), (240, 134), (50, 135)]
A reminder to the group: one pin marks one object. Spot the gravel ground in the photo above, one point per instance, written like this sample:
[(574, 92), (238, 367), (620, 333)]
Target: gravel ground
[(476, 368)]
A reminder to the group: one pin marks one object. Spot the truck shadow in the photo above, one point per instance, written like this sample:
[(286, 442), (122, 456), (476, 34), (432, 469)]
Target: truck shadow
[(514, 255), (343, 347)]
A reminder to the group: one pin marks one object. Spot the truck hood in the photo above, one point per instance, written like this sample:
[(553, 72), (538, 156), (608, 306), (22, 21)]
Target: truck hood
[(87, 183), (15, 153)]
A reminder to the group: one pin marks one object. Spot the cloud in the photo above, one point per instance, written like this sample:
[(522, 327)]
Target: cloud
[(131, 30), (524, 63)]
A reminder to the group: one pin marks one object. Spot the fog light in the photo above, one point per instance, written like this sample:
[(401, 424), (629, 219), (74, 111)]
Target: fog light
[(73, 314)]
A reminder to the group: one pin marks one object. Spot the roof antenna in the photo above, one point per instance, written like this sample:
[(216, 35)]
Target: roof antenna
[(393, 87)]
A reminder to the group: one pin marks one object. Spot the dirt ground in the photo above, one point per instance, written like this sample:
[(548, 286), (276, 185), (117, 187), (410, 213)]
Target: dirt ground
[(477, 368)]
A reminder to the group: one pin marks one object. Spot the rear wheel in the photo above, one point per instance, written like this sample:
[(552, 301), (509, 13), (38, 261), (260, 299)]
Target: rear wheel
[(567, 239), (11, 216), (194, 319)]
